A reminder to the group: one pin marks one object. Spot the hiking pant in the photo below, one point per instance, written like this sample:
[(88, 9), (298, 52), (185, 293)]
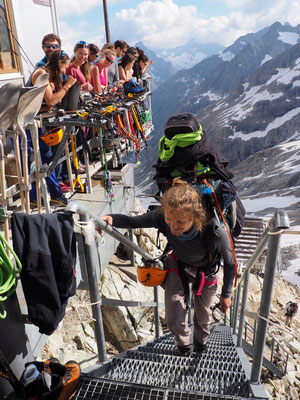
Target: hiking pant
[(176, 308)]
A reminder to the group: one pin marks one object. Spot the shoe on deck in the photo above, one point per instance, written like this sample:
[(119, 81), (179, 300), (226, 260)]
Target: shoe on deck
[(64, 188), (199, 348), (60, 201), (70, 381)]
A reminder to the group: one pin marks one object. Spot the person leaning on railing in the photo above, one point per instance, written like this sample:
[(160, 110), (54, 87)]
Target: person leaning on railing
[(55, 91), (99, 69), (79, 66)]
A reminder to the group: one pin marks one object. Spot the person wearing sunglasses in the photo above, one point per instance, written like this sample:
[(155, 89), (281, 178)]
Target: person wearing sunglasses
[(99, 69), (50, 43), (94, 53), (79, 67), (120, 48)]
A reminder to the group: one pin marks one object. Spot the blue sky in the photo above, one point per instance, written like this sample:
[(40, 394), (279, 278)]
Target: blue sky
[(170, 23)]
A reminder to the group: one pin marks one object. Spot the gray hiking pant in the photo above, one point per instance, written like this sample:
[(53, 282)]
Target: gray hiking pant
[(176, 308)]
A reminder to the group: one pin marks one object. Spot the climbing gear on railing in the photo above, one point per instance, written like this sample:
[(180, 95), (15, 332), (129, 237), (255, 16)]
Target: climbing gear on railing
[(77, 180), (139, 125), (8, 274), (106, 182)]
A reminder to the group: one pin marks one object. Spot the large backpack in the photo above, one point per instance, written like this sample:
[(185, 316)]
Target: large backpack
[(186, 151)]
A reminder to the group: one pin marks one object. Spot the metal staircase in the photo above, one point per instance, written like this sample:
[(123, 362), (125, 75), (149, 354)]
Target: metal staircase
[(156, 371)]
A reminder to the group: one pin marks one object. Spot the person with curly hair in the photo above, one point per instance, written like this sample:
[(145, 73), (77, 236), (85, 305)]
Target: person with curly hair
[(182, 219)]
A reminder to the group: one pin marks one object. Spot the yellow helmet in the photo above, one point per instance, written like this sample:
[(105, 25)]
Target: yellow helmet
[(151, 275), (53, 137)]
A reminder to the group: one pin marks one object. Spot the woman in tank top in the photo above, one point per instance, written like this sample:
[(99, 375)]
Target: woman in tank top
[(99, 70)]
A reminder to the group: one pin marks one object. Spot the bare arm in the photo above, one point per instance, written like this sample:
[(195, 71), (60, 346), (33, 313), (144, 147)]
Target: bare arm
[(96, 79), (50, 97), (146, 66), (122, 77)]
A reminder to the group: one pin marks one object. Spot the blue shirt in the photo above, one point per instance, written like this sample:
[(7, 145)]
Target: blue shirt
[(42, 62)]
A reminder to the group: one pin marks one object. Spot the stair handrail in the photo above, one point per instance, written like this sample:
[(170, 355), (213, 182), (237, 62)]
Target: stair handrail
[(270, 239)]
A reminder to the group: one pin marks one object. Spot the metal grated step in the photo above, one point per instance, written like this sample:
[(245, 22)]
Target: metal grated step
[(92, 388), (187, 378)]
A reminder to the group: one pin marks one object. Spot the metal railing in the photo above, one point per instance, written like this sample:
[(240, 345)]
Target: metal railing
[(91, 263), (269, 240), (258, 333)]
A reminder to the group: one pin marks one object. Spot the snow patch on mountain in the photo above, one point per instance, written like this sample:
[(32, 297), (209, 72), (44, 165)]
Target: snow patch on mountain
[(266, 58), (277, 122), (289, 37), (286, 75), (212, 96), (227, 56), (254, 204)]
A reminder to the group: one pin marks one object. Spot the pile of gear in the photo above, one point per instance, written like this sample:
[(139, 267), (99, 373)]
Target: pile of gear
[(48, 380)]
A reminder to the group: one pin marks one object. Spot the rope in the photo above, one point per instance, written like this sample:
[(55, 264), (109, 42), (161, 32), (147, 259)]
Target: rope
[(8, 274), (76, 307), (288, 331)]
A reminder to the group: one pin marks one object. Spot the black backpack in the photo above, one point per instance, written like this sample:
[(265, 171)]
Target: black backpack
[(203, 166)]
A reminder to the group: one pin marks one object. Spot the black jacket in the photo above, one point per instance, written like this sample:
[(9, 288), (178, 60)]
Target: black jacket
[(193, 252), (46, 247)]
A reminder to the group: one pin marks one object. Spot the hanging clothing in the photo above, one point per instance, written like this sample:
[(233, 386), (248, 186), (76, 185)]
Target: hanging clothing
[(46, 247)]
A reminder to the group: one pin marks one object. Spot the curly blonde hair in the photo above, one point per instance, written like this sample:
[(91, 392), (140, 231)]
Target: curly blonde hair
[(183, 197)]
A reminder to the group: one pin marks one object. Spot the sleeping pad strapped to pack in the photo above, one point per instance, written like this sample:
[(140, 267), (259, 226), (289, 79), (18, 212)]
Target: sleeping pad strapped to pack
[(186, 151)]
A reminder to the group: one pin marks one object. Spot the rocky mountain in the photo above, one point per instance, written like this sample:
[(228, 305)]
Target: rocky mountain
[(190, 54), (160, 69), (207, 82), (260, 113), (270, 179), (166, 62)]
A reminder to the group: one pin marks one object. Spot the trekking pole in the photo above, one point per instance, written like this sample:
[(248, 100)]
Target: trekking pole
[(77, 179)]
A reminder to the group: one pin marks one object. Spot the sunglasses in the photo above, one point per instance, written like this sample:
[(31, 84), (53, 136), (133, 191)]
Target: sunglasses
[(62, 54), (83, 43), (108, 60), (51, 46)]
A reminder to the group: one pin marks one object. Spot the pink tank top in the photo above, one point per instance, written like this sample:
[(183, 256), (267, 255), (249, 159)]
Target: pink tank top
[(102, 75)]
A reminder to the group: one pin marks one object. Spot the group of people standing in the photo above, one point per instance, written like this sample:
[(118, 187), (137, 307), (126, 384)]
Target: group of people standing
[(94, 69)]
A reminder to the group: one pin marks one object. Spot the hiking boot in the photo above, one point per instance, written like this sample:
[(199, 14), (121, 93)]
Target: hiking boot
[(70, 381), (185, 351), (199, 348), (48, 364), (60, 201)]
